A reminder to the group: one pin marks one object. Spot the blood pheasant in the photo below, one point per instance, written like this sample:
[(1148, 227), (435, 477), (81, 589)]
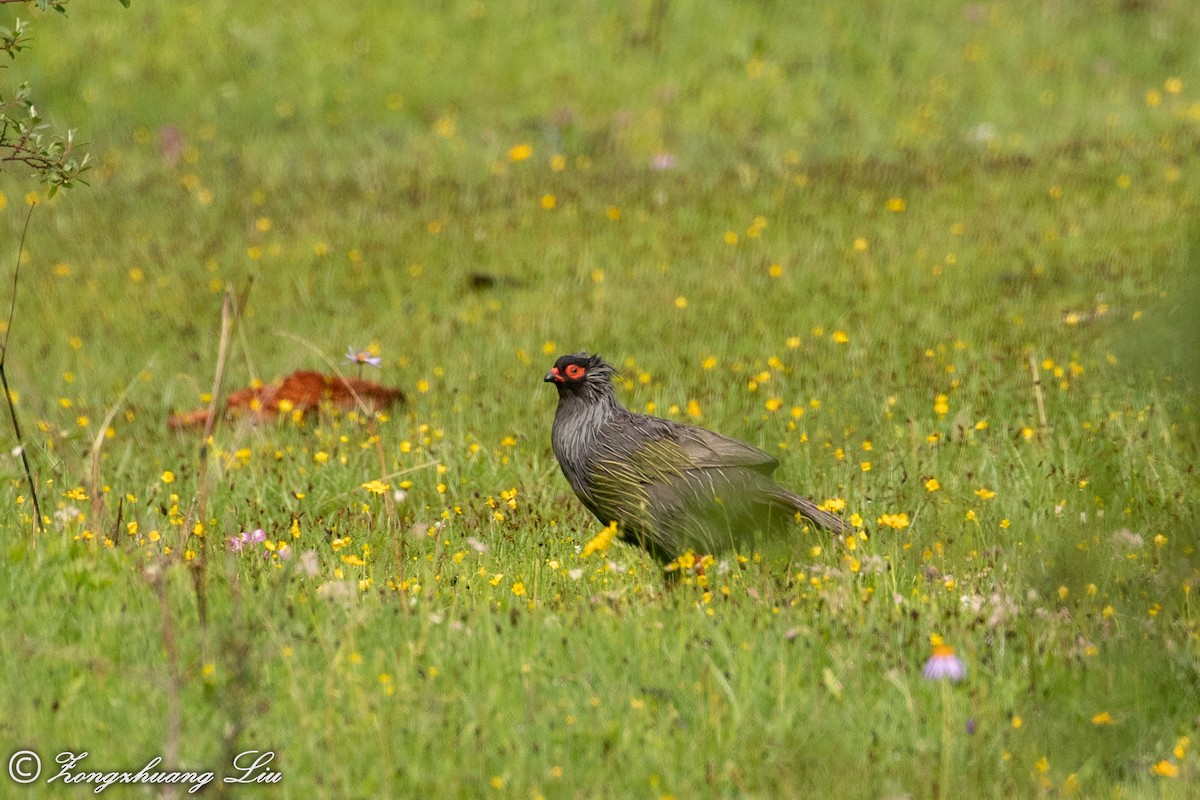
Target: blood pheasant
[(669, 487)]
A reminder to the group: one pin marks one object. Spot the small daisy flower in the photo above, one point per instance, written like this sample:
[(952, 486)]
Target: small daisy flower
[(943, 665), (363, 357)]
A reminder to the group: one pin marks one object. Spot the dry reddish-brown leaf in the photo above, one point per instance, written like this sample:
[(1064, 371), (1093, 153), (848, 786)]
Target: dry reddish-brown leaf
[(302, 391)]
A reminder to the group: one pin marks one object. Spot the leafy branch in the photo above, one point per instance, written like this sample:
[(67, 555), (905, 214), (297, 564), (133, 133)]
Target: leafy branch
[(25, 139)]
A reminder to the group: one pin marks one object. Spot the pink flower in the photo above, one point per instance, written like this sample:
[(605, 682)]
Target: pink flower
[(943, 665), (663, 161), (237, 543)]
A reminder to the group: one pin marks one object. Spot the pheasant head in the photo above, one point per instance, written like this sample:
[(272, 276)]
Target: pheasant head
[(582, 376)]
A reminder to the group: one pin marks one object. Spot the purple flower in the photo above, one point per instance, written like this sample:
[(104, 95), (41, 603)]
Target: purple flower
[(363, 357), (237, 543), (943, 665)]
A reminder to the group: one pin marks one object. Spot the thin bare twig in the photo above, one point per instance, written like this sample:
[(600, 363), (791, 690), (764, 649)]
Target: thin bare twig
[(229, 311), (388, 501), (94, 490), (12, 408), (1037, 391)]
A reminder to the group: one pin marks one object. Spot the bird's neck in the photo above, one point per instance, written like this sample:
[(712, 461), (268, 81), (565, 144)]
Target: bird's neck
[(579, 423)]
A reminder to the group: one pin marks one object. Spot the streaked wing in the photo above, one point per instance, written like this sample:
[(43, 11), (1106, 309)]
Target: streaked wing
[(694, 448), (707, 449)]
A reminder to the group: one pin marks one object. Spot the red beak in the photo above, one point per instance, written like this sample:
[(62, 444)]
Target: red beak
[(553, 376)]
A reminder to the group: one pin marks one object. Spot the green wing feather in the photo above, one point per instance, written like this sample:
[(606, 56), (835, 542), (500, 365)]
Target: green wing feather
[(707, 449), (682, 487)]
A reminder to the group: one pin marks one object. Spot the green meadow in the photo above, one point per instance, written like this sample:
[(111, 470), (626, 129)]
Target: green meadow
[(940, 258)]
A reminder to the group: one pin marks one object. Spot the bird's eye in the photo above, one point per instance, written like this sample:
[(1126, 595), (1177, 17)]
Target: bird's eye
[(575, 372)]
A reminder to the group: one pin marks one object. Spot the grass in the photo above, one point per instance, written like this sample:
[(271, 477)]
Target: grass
[(874, 221)]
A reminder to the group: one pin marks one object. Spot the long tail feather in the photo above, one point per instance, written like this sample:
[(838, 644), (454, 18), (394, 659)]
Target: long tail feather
[(819, 517)]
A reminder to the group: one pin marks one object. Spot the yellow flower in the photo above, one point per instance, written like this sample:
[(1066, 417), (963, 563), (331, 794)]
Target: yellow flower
[(520, 152), (168, 476), (600, 542), (375, 486), (1165, 769), (683, 562), (1103, 718), (76, 494), (932, 485), (518, 588), (984, 494), (840, 337)]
